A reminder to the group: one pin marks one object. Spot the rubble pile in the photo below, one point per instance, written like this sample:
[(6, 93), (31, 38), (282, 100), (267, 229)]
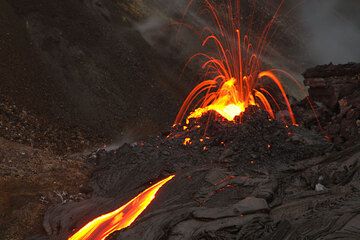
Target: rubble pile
[(39, 166), (24, 127), (336, 89), (255, 137)]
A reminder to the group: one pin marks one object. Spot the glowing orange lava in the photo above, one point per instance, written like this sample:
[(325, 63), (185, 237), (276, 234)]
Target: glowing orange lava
[(103, 226), (187, 141), (232, 69)]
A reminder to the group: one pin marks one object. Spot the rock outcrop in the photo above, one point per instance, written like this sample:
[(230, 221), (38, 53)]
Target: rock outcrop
[(337, 90)]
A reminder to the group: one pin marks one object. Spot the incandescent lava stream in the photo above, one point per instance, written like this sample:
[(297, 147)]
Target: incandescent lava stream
[(103, 226)]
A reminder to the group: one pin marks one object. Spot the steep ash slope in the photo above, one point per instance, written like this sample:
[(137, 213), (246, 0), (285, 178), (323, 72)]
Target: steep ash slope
[(83, 63)]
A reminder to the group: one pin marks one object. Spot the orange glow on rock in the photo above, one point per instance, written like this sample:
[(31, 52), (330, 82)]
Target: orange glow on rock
[(103, 226), (232, 69), (227, 104), (187, 141)]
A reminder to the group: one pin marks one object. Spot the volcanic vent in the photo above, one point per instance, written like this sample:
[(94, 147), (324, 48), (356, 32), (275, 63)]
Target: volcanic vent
[(249, 161), (233, 75), (250, 178), (240, 165), (231, 129)]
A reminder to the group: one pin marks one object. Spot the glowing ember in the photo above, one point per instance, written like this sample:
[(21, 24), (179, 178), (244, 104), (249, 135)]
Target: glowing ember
[(232, 79), (123, 217), (187, 141)]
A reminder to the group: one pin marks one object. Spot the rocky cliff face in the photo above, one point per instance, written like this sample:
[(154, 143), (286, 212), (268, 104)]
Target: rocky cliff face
[(336, 88)]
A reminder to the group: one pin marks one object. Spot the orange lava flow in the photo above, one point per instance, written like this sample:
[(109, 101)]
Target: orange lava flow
[(233, 75), (103, 226)]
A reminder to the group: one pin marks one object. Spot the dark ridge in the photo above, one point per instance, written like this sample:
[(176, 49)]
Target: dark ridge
[(331, 70)]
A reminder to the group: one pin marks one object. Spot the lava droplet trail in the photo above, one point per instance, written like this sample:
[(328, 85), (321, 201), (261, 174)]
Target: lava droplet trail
[(103, 226), (233, 76)]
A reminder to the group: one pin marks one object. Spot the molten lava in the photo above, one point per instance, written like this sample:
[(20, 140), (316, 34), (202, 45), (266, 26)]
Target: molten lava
[(227, 104), (187, 141), (232, 69), (103, 226)]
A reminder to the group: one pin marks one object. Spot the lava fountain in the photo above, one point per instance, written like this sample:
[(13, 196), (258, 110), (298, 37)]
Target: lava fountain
[(103, 226), (233, 73)]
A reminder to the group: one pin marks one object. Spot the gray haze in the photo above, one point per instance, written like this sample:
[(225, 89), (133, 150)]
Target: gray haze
[(160, 28), (332, 30), (328, 30)]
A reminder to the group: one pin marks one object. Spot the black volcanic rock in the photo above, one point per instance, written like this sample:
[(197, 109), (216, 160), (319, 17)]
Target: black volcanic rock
[(236, 168), (336, 88), (329, 85), (331, 70), (255, 178)]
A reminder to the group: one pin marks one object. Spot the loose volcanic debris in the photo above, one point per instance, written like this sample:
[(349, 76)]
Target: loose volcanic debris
[(336, 90), (257, 180), (39, 167), (22, 126)]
